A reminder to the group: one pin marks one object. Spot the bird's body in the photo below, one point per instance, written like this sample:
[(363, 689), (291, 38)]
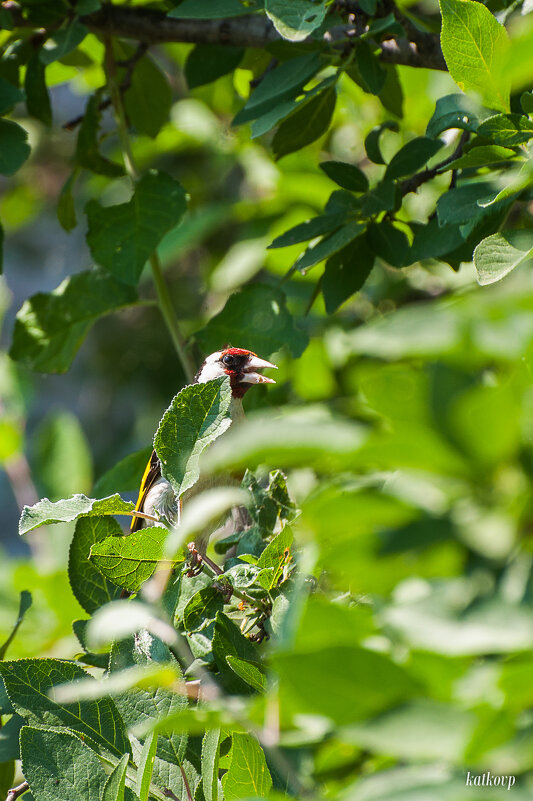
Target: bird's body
[(156, 498)]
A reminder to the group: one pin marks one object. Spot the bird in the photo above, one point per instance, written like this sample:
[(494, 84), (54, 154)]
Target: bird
[(156, 497)]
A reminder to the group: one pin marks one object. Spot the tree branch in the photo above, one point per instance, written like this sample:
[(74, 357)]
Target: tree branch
[(14, 793), (252, 30)]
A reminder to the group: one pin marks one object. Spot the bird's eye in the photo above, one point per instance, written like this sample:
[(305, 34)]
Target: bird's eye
[(228, 360)]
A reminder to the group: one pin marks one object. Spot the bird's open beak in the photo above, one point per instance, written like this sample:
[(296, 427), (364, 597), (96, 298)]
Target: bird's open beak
[(251, 376)]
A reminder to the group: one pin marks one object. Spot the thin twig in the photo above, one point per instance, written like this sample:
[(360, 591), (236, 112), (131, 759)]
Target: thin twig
[(411, 184), (14, 793)]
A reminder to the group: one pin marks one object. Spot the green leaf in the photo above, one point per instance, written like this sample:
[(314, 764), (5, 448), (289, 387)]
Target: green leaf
[(37, 99), (305, 125), (25, 603), (274, 553), (146, 766), (29, 685), (210, 763), (149, 98), (66, 210), (9, 739), (9, 95), (258, 316), (206, 63), (248, 774), (126, 475), (329, 245), (348, 668), (196, 417), (122, 237), (346, 272), (50, 327), (45, 512), (248, 672), (228, 641), (285, 109), (500, 253), (452, 111), (295, 19), (482, 156), (507, 129), (317, 226), (14, 148), (475, 45), (462, 204), (63, 42), (526, 101), (59, 766), (88, 585), (382, 198), (372, 147), (432, 240), (388, 242), (129, 561), (212, 9), (272, 505), (87, 145), (279, 85), (203, 606), (370, 69), (116, 781), (412, 156), (346, 175)]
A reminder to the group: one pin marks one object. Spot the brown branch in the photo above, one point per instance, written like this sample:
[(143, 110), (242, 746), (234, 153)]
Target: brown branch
[(14, 793), (252, 30), (411, 184)]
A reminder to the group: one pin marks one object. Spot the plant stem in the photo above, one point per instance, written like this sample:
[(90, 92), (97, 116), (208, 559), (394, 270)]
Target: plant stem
[(163, 295)]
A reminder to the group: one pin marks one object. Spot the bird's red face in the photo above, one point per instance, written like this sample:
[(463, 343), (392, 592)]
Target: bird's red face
[(243, 367)]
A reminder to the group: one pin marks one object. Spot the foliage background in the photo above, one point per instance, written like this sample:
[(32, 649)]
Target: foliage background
[(411, 455)]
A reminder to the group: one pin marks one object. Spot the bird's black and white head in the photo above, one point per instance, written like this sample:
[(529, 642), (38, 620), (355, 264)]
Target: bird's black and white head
[(243, 367)]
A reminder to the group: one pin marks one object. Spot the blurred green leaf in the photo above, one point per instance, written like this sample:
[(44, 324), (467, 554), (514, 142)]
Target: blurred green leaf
[(148, 100), (372, 141), (206, 63), (122, 237), (37, 99), (63, 42), (370, 69), (329, 245), (66, 210), (317, 226), (88, 146), (50, 328), (258, 316), (306, 124), (10, 95), (62, 461), (14, 148), (145, 766), (211, 9), (125, 475), (25, 603)]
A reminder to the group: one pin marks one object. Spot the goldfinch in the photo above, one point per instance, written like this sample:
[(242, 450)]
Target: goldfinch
[(156, 496)]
